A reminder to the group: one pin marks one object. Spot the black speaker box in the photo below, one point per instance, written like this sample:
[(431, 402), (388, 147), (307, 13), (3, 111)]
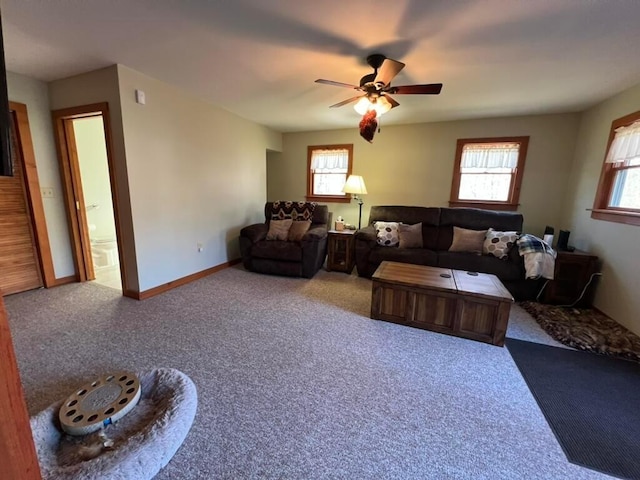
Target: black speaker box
[(563, 240)]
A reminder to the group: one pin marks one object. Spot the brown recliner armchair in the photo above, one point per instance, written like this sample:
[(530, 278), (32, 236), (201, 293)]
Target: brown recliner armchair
[(290, 258)]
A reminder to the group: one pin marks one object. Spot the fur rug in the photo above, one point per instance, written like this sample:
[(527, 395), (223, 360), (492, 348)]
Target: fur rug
[(586, 329)]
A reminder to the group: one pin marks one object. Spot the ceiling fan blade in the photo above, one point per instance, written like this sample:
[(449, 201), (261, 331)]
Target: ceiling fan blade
[(391, 101), (344, 102), (336, 84), (429, 89), (388, 70)]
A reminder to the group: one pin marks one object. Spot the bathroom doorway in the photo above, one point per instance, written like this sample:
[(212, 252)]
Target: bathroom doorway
[(83, 142), (91, 149)]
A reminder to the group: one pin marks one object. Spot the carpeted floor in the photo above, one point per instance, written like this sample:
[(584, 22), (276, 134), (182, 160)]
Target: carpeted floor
[(296, 381)]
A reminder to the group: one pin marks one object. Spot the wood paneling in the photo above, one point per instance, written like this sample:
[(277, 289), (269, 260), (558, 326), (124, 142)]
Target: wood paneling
[(19, 260), (17, 453), (32, 189)]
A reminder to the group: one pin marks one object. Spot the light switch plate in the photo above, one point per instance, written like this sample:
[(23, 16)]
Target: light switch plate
[(141, 97)]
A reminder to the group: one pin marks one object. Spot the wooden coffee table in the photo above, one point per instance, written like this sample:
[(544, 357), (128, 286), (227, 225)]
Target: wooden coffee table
[(466, 304)]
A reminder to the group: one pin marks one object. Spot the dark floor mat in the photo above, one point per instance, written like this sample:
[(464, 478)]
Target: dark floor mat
[(590, 401)]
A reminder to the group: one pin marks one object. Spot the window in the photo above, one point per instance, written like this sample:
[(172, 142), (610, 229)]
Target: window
[(618, 195), (328, 167), (488, 172)]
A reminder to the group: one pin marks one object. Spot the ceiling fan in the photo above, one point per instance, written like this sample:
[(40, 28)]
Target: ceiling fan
[(376, 87)]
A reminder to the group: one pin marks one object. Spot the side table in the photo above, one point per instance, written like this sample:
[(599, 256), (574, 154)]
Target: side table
[(572, 274), (341, 251)]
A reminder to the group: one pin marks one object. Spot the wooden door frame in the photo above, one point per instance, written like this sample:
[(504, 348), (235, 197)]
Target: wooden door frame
[(33, 194), (72, 186), (17, 450)]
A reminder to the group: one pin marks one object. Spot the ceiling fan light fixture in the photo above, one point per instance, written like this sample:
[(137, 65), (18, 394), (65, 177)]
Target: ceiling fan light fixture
[(362, 106), (380, 104)]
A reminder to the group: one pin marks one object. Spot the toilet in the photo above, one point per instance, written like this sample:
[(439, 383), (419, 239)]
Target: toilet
[(104, 252)]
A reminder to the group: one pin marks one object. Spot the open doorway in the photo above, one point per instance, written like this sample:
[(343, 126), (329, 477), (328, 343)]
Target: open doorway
[(91, 149), (82, 135)]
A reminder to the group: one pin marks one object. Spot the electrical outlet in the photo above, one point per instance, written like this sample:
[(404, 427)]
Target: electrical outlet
[(47, 192), (200, 247)]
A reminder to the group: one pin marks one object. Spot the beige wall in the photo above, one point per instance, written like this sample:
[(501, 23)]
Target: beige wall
[(96, 87), (197, 174), (617, 245), (413, 164), (34, 94)]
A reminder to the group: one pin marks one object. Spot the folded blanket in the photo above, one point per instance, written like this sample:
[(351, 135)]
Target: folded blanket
[(530, 243), (539, 257)]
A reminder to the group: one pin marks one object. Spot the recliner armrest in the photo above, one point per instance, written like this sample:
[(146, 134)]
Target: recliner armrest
[(315, 233), (255, 232)]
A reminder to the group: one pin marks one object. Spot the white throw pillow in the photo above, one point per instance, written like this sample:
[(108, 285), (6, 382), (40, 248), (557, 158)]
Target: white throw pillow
[(387, 233), (498, 244)]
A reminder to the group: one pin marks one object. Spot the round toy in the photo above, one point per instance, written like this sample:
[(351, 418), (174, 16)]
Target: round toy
[(97, 404)]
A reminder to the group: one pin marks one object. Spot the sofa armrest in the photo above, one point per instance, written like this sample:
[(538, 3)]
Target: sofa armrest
[(255, 233), (367, 234)]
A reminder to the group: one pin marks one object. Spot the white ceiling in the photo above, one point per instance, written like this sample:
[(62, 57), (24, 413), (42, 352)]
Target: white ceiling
[(259, 58)]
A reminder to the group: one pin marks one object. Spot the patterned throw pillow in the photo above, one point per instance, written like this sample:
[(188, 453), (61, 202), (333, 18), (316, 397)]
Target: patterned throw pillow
[(498, 244), (297, 230), (387, 233), (467, 240), (279, 229), (281, 210), (410, 235)]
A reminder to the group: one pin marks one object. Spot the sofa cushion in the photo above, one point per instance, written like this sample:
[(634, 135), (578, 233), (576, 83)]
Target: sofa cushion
[(387, 233), (472, 262), (279, 229), (498, 244), (410, 215), (474, 219), (297, 230), (417, 256), (410, 235), (277, 250), (467, 240)]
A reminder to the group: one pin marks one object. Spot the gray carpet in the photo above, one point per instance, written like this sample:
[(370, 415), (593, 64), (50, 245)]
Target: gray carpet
[(295, 381)]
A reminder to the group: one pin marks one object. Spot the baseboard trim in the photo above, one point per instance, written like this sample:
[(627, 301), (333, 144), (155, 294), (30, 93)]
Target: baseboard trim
[(65, 281), (131, 294), (152, 292)]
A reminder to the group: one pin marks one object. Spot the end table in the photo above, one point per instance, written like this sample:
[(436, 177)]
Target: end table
[(572, 274), (341, 250)]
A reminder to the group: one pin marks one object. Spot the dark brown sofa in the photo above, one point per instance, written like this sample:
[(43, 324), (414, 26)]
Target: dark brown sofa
[(437, 235), (294, 259)]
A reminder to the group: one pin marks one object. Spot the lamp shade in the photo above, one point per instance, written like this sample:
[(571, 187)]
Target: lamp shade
[(355, 184)]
